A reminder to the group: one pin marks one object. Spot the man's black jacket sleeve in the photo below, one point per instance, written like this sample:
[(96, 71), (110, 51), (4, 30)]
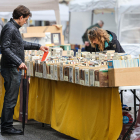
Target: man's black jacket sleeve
[(31, 46)]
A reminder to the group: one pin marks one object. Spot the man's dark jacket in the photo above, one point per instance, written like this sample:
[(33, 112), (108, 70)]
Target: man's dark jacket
[(13, 46), (113, 45)]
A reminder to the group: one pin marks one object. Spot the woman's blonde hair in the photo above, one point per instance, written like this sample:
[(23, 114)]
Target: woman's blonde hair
[(100, 34)]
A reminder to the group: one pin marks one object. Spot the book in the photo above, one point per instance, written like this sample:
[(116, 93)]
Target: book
[(55, 72), (86, 77), (71, 74), (91, 77), (44, 56), (61, 71), (77, 75), (44, 75)]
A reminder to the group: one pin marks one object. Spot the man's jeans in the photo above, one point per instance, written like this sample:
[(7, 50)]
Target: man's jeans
[(12, 78)]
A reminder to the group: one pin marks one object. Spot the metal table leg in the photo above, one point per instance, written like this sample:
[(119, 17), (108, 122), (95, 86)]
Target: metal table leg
[(130, 128), (121, 92)]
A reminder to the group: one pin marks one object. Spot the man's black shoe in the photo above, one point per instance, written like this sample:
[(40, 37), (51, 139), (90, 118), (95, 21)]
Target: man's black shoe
[(12, 131)]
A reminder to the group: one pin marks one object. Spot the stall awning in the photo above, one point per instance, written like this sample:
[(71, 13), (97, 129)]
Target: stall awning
[(33, 5)]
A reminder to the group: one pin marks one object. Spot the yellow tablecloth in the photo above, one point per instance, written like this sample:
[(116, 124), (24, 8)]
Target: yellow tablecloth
[(85, 113)]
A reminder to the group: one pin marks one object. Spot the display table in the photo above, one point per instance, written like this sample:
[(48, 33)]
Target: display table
[(85, 113)]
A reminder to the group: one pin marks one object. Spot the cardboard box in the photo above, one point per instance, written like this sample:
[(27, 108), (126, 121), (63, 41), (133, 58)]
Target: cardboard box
[(124, 77), (38, 38), (37, 34)]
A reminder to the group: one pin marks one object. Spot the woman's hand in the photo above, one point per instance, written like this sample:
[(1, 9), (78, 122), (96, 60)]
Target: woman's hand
[(86, 43)]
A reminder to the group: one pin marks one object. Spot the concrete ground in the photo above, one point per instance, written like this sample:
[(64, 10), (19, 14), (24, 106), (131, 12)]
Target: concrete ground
[(35, 131)]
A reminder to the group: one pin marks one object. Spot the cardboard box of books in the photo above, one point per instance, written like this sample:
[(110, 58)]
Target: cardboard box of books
[(124, 77)]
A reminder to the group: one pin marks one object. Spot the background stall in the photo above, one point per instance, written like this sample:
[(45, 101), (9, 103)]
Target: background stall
[(86, 13)]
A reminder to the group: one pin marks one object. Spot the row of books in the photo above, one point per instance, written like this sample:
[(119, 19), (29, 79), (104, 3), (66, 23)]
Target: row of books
[(129, 63), (73, 73)]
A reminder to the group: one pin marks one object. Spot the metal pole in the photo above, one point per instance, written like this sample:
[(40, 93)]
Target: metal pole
[(69, 26), (92, 17)]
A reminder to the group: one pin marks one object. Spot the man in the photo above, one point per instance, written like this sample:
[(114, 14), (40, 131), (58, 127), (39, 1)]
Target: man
[(1, 26), (12, 47), (85, 39)]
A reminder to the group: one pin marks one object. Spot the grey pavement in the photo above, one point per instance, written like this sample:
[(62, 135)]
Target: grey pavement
[(35, 131)]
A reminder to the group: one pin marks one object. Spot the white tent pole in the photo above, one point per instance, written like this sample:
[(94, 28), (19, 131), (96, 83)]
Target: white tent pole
[(69, 26), (57, 15), (57, 12), (92, 17)]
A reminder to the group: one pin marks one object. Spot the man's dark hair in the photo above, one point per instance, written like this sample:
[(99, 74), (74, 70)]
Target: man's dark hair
[(21, 10)]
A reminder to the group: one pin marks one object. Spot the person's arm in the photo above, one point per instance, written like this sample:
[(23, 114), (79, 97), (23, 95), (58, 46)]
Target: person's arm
[(119, 48), (6, 40), (31, 46), (34, 46), (84, 38)]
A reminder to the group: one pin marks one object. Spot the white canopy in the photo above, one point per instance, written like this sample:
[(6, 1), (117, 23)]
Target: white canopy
[(89, 5), (33, 5), (128, 21), (43, 15)]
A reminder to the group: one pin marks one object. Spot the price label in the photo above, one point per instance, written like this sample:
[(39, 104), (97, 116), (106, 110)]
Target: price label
[(48, 76), (36, 74), (97, 83), (65, 78), (39, 74), (125, 57), (82, 82)]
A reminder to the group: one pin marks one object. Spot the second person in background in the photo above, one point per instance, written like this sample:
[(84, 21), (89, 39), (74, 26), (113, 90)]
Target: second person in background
[(104, 40)]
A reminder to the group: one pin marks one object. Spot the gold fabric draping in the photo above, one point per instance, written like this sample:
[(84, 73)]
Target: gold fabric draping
[(85, 113)]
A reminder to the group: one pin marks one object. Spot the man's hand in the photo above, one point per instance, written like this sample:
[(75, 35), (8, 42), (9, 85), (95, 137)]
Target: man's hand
[(22, 66), (44, 48), (86, 43)]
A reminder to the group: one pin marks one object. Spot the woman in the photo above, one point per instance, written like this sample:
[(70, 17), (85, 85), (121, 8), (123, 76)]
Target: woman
[(104, 40)]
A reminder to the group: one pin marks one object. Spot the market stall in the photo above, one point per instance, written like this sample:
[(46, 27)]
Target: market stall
[(70, 104)]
